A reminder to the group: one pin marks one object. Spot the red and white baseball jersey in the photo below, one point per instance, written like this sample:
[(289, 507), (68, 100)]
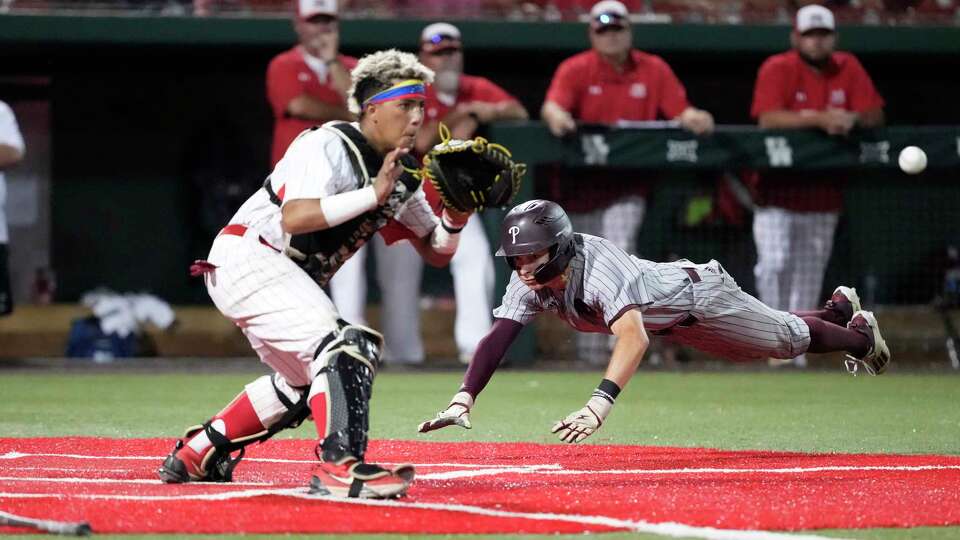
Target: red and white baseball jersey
[(316, 166), (471, 89), (786, 83), (592, 90), (294, 73)]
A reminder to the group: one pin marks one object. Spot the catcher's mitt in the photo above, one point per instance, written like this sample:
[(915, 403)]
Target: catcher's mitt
[(474, 174)]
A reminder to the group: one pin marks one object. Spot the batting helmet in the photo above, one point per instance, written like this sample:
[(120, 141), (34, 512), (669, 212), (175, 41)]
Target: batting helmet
[(534, 226)]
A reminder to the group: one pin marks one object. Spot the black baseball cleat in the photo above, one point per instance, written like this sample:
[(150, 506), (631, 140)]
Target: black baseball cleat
[(173, 470)]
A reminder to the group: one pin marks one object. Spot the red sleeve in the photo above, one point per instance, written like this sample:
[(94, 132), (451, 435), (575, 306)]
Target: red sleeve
[(673, 96), (487, 91), (394, 231), (565, 87), (282, 84), (768, 92), (864, 95), (348, 62)]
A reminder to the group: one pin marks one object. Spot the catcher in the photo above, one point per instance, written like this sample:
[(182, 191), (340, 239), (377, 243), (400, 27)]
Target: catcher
[(335, 187), (596, 287)]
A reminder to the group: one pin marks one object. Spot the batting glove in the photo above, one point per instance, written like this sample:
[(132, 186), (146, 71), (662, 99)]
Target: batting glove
[(456, 414), (578, 425)]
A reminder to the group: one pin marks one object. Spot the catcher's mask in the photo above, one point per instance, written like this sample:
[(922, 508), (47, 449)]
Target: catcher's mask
[(534, 226)]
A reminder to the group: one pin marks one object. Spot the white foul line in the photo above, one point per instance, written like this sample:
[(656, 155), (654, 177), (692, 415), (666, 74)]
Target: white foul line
[(73, 480), (20, 455), (662, 529)]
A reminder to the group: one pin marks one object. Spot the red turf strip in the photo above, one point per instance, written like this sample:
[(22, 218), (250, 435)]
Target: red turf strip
[(758, 500)]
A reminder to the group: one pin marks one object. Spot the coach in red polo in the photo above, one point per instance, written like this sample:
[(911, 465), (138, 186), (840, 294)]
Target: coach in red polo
[(307, 85), (810, 86), (612, 83)]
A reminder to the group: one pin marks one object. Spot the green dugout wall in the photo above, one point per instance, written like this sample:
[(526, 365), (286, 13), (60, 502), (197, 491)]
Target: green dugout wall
[(155, 120)]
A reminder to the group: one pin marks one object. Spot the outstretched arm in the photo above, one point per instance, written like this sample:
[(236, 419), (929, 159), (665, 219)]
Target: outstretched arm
[(485, 361), (632, 343)]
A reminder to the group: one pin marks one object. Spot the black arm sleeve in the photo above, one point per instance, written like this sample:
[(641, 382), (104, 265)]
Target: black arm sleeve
[(489, 353)]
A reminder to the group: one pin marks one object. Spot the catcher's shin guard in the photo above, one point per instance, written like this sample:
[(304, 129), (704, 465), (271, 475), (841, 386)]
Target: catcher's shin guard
[(342, 385)]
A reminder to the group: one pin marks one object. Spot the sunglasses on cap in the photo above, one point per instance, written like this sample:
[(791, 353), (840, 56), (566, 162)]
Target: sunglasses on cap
[(437, 38), (608, 22), (321, 18)]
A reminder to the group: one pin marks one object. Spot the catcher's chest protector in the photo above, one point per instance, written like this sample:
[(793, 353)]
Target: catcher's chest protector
[(321, 253)]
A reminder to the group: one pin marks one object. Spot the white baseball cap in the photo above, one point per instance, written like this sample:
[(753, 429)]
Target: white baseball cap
[(311, 8), (815, 17), (609, 13), (439, 36)]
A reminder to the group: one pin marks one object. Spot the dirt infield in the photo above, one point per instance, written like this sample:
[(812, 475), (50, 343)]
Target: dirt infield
[(486, 488)]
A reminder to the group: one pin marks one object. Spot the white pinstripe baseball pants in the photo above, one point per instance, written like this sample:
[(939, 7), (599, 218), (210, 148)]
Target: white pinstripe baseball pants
[(282, 311), (732, 324)]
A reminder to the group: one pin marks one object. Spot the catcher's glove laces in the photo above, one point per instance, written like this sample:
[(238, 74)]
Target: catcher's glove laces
[(472, 181)]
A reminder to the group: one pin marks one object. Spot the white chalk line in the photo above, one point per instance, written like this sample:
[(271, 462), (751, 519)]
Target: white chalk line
[(663, 529), (21, 455), (553, 468), (75, 480)]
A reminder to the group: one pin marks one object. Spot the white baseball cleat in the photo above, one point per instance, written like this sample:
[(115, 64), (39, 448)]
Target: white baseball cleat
[(844, 300), (878, 357)]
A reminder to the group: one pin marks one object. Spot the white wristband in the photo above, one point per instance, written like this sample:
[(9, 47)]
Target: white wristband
[(343, 207), (442, 241)]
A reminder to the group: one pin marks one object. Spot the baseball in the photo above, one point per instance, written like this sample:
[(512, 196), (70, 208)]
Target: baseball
[(912, 160)]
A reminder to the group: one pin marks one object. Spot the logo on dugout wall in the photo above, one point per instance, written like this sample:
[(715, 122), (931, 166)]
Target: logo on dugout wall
[(595, 149), (682, 150), (875, 152), (779, 153)]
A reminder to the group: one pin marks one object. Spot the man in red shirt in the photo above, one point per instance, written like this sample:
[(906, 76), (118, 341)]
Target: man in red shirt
[(612, 84), (810, 86), (463, 103), (307, 85)]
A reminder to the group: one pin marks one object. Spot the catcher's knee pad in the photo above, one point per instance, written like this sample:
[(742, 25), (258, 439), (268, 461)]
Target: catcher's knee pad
[(344, 371)]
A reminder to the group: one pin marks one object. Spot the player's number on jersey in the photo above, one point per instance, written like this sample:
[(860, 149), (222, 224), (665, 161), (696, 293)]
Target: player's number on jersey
[(595, 149)]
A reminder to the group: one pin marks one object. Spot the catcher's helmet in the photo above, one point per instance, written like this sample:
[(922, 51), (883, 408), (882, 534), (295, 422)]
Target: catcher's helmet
[(534, 226)]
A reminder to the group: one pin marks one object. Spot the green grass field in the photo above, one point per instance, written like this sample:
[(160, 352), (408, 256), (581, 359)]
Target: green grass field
[(810, 412)]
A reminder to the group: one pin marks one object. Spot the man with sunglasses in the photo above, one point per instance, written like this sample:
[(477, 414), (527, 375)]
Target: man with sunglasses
[(611, 84), (307, 85), (463, 103), (810, 86)]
